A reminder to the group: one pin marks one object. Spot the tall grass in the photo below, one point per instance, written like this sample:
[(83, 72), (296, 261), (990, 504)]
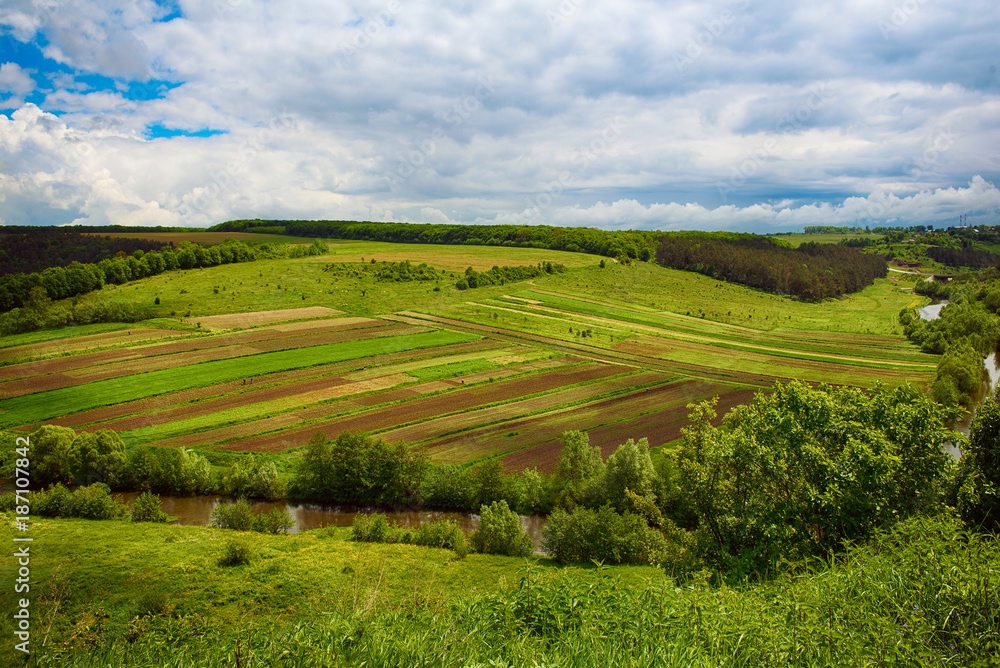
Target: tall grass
[(925, 594)]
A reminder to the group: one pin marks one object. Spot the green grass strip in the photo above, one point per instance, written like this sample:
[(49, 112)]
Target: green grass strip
[(32, 408)]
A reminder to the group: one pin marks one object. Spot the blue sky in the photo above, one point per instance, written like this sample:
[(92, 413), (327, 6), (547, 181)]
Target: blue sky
[(742, 114)]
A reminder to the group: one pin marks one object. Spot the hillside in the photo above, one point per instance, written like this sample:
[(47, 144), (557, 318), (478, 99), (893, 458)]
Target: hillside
[(344, 342)]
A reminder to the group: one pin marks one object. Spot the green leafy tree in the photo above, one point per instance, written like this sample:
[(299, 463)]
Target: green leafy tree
[(579, 466), (801, 469), (500, 532), (101, 458), (147, 508), (628, 468), (54, 455), (489, 481), (978, 476)]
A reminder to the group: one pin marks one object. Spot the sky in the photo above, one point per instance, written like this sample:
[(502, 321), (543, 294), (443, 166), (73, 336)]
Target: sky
[(746, 115)]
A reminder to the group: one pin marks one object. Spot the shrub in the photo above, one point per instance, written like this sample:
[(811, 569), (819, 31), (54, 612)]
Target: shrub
[(93, 503), (500, 532), (254, 480), (169, 471), (603, 535), (448, 487), (442, 533), (360, 469), (373, 528), (277, 520), (236, 516), (146, 508), (236, 552)]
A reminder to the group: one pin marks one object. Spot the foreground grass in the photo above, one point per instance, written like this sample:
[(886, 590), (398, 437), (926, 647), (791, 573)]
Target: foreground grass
[(116, 594)]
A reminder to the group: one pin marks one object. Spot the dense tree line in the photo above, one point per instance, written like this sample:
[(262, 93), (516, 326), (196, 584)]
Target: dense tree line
[(810, 272), (963, 257), (26, 250), (78, 278), (631, 244), (504, 275)]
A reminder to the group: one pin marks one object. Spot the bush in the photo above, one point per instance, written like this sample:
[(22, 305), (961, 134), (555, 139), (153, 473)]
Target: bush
[(254, 480), (93, 503), (373, 528), (448, 487), (500, 532), (146, 508), (236, 552), (442, 533), (359, 469), (236, 516), (603, 535), (277, 520), (169, 471)]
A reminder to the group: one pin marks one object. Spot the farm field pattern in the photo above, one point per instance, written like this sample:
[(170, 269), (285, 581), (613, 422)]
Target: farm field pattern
[(460, 375)]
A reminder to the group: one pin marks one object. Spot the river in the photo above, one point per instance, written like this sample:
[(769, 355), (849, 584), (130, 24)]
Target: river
[(989, 386), (197, 510)]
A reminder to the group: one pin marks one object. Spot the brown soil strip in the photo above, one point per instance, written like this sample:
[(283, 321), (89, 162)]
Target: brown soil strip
[(261, 383), (139, 365), (73, 343), (257, 318), (659, 427), (28, 369), (435, 428), (386, 417)]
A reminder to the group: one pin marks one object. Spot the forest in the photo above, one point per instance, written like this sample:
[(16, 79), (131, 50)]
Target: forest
[(25, 250), (811, 272)]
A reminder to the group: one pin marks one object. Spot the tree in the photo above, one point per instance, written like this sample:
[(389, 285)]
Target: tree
[(978, 477), (489, 481), (500, 532), (579, 466), (54, 455), (101, 458), (628, 468), (800, 470)]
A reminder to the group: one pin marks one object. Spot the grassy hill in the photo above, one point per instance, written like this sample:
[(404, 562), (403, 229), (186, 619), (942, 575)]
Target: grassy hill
[(334, 343)]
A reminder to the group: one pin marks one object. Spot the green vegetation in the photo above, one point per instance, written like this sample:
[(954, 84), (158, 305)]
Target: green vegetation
[(147, 508), (924, 593)]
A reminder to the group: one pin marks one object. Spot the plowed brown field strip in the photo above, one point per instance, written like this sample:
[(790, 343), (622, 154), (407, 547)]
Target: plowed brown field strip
[(423, 407), (659, 427), (256, 318), (131, 366), (435, 428), (169, 401), (73, 343), (83, 360)]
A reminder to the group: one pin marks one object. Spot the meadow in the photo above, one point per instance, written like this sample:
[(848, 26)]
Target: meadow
[(117, 594), (462, 375)]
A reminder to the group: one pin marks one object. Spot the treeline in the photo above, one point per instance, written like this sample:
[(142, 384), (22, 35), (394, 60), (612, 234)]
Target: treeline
[(27, 298), (78, 278), (504, 275), (797, 474), (810, 272), (963, 257), (967, 330), (632, 245), (26, 250)]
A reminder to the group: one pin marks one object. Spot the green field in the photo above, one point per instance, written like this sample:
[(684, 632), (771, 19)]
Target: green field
[(122, 595), (409, 352)]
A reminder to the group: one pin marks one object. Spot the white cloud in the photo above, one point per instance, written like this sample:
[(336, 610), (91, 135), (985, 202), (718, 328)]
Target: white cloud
[(811, 106)]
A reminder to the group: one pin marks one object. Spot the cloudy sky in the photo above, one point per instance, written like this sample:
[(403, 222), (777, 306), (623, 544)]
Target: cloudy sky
[(740, 114)]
